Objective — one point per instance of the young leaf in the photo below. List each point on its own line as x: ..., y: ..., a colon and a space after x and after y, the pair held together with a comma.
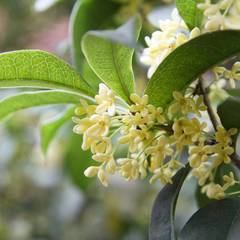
x: 49, y: 129
x: 229, y: 113
x: 190, y: 13
x: 162, y: 219
x: 89, y: 15
x: 34, y: 68
x: 219, y: 220
x: 32, y: 99
x: 112, y: 61
x: 189, y: 61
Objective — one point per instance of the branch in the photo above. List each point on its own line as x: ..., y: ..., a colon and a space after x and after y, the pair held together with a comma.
x: 235, y: 159
x: 206, y: 100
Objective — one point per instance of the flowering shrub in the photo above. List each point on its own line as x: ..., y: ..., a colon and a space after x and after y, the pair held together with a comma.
x: 189, y: 105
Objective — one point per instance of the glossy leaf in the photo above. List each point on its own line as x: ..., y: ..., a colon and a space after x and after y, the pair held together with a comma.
x: 33, y: 68
x: 219, y: 220
x: 190, y: 13
x: 112, y: 61
x: 162, y: 218
x: 189, y: 61
x: 88, y: 15
x: 32, y: 99
x: 229, y: 112
x: 49, y: 129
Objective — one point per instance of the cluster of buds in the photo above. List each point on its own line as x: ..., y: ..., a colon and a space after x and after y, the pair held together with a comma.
x: 155, y: 139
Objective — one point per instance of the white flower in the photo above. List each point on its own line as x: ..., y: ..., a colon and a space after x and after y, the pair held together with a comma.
x: 105, y: 100
x: 224, y: 14
x: 172, y: 34
x: 100, y: 126
x: 91, y: 171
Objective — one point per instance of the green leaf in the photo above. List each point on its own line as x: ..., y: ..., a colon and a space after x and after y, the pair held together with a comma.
x: 89, y: 15
x: 188, y: 62
x: 112, y: 61
x: 162, y: 219
x: 34, y: 68
x: 190, y: 13
x: 32, y: 99
x: 234, y: 92
x: 229, y: 113
x: 76, y: 161
x: 219, y: 220
x: 49, y: 129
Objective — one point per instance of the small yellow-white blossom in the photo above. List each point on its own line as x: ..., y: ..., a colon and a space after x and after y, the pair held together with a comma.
x: 231, y: 75
x: 155, y: 140
x: 213, y: 190
x: 105, y: 100
x: 222, y: 15
x: 173, y: 33
x: 186, y: 105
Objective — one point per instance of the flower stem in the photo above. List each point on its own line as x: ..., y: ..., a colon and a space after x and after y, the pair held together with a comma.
x: 206, y: 100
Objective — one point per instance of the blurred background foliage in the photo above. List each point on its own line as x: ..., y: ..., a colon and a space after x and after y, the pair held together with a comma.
x: 47, y: 197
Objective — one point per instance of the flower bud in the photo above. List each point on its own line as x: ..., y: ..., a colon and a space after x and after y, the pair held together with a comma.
x: 91, y: 171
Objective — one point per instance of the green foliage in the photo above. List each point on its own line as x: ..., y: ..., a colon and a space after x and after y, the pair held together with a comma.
x: 188, y: 62
x: 218, y: 220
x: 189, y: 12
x: 89, y: 15
x: 162, y: 219
x: 112, y: 61
x: 49, y: 129
x: 228, y: 111
x: 32, y: 99
x: 33, y: 68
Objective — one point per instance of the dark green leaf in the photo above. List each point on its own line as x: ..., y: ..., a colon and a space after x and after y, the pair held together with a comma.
x: 189, y: 61
x: 111, y: 61
x: 190, y: 13
x: 49, y: 129
x: 217, y: 221
x: 162, y: 219
x: 34, y: 68
x: 32, y: 99
x: 229, y: 113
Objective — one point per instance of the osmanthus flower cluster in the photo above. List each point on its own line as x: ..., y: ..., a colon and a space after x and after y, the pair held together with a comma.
x: 222, y: 15
x: 155, y: 140
x: 173, y: 33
